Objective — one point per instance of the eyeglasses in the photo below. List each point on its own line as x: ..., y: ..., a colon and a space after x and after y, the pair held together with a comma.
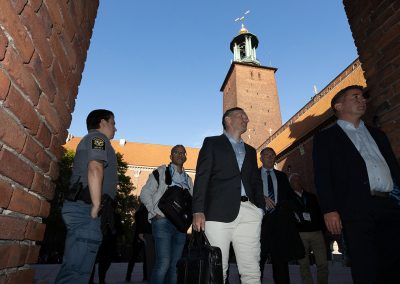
x: 177, y: 153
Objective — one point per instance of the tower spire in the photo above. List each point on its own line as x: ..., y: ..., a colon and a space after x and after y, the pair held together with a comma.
x: 244, y: 47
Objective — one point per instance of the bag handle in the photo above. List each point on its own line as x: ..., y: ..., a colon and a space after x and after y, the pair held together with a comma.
x: 198, y: 239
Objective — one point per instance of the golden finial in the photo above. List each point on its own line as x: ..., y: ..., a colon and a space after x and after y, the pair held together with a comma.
x: 243, y: 30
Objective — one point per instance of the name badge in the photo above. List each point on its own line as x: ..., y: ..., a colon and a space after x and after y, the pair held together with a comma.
x: 306, y: 216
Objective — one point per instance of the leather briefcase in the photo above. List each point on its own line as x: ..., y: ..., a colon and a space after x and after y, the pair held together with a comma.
x: 201, y: 263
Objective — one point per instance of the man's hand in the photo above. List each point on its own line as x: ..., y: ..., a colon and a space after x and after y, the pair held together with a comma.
x: 141, y: 236
x: 333, y: 222
x: 94, y: 211
x: 199, y: 222
x: 269, y: 202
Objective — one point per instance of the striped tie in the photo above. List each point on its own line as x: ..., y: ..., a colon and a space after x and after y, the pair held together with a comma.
x: 271, y: 193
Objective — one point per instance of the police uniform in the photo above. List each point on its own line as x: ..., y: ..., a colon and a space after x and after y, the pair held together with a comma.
x: 83, y: 232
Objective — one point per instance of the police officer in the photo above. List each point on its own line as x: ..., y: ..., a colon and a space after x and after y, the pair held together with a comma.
x: 94, y: 174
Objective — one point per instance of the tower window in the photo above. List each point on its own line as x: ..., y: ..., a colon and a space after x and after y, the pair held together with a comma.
x: 259, y: 76
x: 251, y: 74
x: 242, y: 50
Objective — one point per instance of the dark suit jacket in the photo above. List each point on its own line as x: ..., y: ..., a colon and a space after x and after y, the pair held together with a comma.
x: 279, y: 235
x: 309, y: 203
x: 217, y: 186
x: 340, y: 173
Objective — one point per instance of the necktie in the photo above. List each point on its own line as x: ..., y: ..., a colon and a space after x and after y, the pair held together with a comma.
x: 271, y: 193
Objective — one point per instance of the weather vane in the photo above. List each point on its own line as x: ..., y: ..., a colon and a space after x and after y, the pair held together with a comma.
x: 242, y: 17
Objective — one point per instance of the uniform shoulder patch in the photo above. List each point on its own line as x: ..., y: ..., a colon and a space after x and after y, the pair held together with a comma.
x: 98, y: 143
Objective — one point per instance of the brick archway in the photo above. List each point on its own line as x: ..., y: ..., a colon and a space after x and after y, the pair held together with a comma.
x: 43, y: 47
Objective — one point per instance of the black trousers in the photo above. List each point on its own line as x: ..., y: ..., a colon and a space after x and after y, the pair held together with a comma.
x: 373, y: 244
x: 280, y: 267
x: 105, y: 256
x: 280, y: 270
x: 138, y: 247
x: 148, y: 260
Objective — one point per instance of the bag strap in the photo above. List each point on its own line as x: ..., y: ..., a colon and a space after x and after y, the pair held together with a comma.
x: 168, y: 177
x: 156, y: 175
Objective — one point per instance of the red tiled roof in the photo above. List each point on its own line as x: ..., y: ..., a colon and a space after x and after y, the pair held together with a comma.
x: 142, y: 154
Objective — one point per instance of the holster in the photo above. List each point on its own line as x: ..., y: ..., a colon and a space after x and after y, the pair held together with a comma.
x: 78, y: 192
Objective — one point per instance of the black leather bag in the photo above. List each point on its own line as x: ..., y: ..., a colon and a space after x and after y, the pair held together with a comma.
x: 176, y: 204
x: 200, y: 263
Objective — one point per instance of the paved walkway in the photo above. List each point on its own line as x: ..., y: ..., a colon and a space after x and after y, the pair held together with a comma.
x: 46, y: 273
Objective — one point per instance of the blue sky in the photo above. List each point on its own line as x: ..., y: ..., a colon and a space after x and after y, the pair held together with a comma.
x: 159, y: 65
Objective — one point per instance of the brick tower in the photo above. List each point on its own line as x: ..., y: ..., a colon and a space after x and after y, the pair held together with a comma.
x: 252, y: 87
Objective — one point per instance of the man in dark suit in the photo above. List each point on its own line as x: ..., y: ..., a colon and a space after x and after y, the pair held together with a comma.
x: 228, y: 201
x: 356, y: 174
x: 279, y: 218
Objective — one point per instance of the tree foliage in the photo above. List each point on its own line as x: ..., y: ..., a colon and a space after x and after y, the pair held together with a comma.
x: 126, y: 202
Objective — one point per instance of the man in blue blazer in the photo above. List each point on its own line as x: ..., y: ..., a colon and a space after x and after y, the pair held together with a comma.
x: 356, y: 176
x: 228, y: 200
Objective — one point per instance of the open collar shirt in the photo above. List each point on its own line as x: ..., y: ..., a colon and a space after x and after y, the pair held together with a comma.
x: 179, y: 179
x: 379, y: 175
x: 240, y: 153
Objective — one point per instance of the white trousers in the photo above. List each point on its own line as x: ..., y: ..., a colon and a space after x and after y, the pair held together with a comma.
x: 244, y: 233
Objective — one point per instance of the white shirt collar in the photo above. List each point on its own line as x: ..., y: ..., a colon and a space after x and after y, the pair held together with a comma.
x: 348, y: 125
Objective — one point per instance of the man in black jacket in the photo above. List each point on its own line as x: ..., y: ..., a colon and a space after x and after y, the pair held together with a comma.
x: 228, y: 202
x: 310, y: 228
x: 279, y: 236
x: 356, y: 174
x: 142, y: 242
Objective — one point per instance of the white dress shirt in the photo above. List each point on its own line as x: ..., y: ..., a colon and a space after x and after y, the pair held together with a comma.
x: 379, y: 175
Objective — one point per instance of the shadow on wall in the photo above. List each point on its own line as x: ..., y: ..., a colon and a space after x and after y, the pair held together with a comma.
x: 297, y: 158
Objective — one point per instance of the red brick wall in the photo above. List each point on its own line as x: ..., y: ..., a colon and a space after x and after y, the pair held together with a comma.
x: 43, y: 47
x: 299, y: 160
x: 254, y: 89
x: 376, y: 31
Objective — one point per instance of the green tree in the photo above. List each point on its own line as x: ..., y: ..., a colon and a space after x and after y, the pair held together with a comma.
x: 127, y: 203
